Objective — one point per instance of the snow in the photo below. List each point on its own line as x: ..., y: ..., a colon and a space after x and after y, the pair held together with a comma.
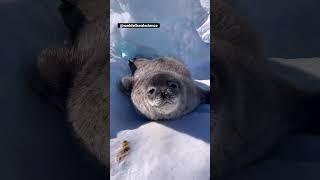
x: 160, y: 152
x: 204, y: 29
x: 175, y: 149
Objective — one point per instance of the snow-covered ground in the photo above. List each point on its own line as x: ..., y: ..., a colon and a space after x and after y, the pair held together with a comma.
x: 175, y: 149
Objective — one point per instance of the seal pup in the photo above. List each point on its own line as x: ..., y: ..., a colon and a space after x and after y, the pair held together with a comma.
x: 78, y: 75
x: 162, y: 88
x: 253, y: 109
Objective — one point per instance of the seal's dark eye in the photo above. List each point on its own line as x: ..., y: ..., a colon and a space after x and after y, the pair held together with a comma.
x: 173, y: 85
x: 151, y: 90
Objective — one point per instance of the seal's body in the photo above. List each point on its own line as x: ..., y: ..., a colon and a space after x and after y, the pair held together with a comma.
x: 79, y: 75
x: 162, y: 88
x: 253, y: 108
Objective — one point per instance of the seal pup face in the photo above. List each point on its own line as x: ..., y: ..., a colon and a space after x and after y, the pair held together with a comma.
x: 162, y: 89
x: 163, y: 93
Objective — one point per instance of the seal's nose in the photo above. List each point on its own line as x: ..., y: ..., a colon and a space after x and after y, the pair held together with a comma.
x: 161, y: 92
x: 165, y: 94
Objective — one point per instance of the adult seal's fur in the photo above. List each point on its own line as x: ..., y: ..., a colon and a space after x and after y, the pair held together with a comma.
x: 79, y: 74
x: 253, y: 109
x: 162, y: 88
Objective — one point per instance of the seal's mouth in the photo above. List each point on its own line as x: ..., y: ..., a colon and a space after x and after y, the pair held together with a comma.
x: 158, y: 102
x: 165, y: 106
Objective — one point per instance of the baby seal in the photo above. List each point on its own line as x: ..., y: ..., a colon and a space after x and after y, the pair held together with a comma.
x: 78, y: 75
x: 254, y: 109
x: 162, y: 88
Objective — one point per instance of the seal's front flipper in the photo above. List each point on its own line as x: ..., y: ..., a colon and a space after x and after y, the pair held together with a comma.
x: 132, y: 66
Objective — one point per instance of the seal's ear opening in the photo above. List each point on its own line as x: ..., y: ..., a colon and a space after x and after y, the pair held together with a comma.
x: 126, y: 84
x: 205, y: 96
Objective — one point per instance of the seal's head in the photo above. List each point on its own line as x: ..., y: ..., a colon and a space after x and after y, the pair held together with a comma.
x: 162, y: 89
